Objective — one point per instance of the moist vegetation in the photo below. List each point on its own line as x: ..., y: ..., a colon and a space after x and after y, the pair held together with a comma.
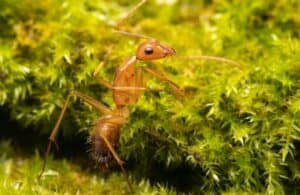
x: 237, y: 129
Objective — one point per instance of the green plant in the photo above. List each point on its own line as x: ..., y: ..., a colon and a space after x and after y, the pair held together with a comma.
x: 237, y: 130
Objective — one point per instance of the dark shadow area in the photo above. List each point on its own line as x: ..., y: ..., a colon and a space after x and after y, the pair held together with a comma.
x: 184, y: 178
x: 25, y: 141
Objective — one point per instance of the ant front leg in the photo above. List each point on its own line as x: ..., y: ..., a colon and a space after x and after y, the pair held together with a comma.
x: 175, y: 87
x: 96, y: 104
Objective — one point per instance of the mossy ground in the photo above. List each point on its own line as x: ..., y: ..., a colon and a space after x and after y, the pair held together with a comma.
x: 237, y: 129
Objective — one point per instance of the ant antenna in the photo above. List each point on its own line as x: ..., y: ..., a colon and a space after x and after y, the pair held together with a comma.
x: 214, y: 58
x: 116, y: 28
x: 134, y: 35
x: 131, y: 12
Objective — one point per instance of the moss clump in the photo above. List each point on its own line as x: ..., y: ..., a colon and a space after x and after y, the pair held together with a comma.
x: 236, y: 131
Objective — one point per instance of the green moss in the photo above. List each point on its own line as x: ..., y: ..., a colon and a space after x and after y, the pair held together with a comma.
x: 236, y: 131
x: 19, y: 176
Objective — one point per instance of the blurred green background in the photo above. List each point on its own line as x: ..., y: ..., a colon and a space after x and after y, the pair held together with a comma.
x: 236, y: 131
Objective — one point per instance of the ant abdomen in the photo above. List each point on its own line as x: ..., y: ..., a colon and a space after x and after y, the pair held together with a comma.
x: 109, y: 128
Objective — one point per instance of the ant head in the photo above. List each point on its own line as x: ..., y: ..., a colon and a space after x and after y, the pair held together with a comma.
x: 152, y: 50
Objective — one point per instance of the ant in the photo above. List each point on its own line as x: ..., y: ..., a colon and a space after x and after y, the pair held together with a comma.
x: 126, y: 88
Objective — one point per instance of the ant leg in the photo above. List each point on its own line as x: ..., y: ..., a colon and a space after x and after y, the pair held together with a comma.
x: 117, y: 158
x: 176, y: 88
x: 102, y: 108
x: 100, y: 80
x: 139, y: 82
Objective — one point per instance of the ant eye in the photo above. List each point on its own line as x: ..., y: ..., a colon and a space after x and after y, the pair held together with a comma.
x: 148, y: 50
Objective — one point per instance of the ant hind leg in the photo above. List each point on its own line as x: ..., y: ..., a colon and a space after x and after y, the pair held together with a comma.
x: 119, y: 161
x: 96, y: 104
